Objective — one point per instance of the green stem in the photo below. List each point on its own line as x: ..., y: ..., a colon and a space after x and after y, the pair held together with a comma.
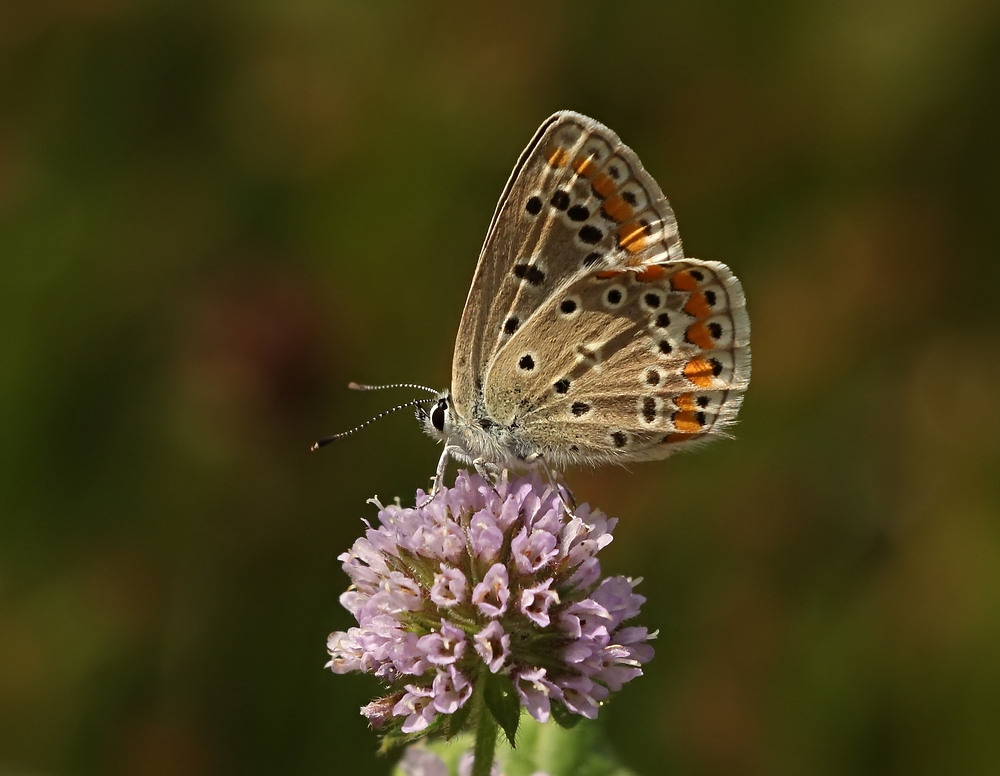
x: 486, y: 735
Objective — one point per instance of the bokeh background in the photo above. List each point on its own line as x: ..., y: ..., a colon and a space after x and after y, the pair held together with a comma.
x: 214, y: 215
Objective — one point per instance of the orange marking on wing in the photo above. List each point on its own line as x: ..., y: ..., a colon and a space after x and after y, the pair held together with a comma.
x: 584, y: 165
x: 617, y: 208
x: 686, y: 422
x: 607, y: 274
x: 650, y: 273
x: 697, y: 305
x: 698, y: 334
x: 699, y: 371
x: 603, y: 185
x: 557, y: 157
x: 685, y: 402
x: 683, y: 281
x: 632, y: 237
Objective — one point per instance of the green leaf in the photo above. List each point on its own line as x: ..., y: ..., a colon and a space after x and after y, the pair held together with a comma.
x: 501, y: 700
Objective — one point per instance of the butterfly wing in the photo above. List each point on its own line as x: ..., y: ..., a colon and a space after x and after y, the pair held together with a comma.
x: 626, y: 364
x: 577, y: 202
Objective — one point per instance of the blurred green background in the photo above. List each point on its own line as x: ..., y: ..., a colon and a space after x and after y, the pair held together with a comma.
x: 214, y: 215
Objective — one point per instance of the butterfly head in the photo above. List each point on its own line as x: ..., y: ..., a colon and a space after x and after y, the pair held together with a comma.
x: 436, y: 420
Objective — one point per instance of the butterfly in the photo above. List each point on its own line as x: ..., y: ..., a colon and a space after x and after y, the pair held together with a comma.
x: 587, y: 337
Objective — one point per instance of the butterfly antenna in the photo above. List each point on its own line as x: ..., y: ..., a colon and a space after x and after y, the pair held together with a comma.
x: 363, y: 387
x: 334, y: 437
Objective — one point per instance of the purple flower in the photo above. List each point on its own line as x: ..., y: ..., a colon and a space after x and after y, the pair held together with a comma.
x: 487, y: 579
x: 536, y: 692
x: 492, y: 593
x: 451, y: 690
x: 582, y: 695
x: 485, y: 536
x: 449, y: 588
x: 417, y: 705
x: 445, y: 646
x: 536, y: 601
x: 493, y: 644
x: 532, y: 552
x: 347, y: 650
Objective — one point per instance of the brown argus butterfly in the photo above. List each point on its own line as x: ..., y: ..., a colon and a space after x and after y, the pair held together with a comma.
x: 587, y: 336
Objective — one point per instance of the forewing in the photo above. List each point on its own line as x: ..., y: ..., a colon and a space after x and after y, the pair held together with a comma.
x: 628, y: 364
x: 577, y: 202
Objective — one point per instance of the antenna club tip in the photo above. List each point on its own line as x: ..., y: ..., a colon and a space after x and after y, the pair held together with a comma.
x: 320, y: 443
x: 355, y: 386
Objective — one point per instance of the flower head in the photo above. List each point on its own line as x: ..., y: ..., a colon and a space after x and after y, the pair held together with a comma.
x: 487, y: 580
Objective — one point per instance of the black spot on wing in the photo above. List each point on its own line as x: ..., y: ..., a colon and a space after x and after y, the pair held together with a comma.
x: 529, y: 272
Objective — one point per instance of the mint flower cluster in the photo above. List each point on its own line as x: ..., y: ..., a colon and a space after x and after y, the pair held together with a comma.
x: 487, y: 581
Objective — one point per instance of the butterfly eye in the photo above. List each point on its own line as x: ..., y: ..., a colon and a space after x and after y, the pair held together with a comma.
x: 438, y: 413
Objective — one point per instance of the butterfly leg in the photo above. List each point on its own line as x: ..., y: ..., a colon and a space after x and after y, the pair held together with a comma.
x: 562, y: 489
x: 449, y: 452
x: 490, y: 472
x: 487, y: 469
x: 438, y: 478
